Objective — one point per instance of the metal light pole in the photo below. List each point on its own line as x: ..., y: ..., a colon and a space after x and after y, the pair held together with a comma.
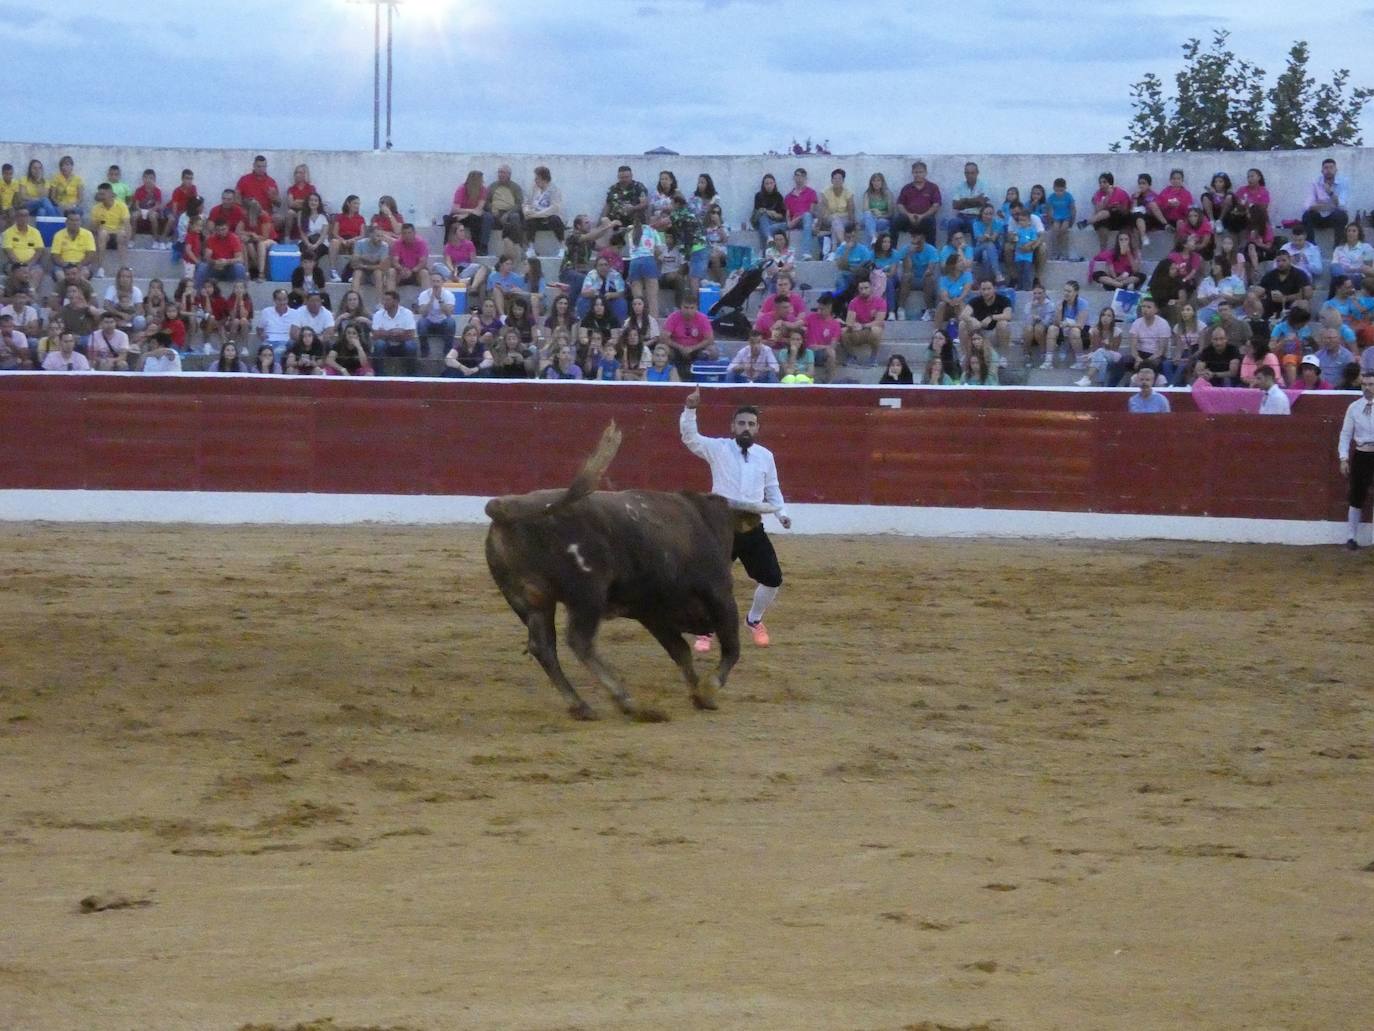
x: 377, y: 6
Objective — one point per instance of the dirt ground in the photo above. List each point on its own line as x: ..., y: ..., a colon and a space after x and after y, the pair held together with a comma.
x: 307, y: 778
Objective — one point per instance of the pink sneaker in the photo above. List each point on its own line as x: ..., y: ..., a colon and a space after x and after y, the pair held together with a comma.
x: 703, y: 643
x: 760, y: 633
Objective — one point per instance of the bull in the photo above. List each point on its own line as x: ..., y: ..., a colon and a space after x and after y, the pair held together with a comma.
x: 660, y: 558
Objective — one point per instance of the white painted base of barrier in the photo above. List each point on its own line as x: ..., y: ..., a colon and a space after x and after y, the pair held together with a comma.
x: 233, y: 508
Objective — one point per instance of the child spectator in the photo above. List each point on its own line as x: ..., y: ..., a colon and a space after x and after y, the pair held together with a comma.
x: 1175, y: 200
x: 1063, y: 214
x: 1111, y: 209
x: 1145, y: 208
x: 149, y: 214
x: 1069, y: 326
x: 1027, y: 240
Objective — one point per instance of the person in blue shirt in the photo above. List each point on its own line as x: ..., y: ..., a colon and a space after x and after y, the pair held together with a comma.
x: 1063, y: 214
x: 1038, y: 205
x: 849, y: 257
x: 953, y: 290
x: 958, y: 245
x: 891, y: 261
x: 1146, y: 401
x: 1023, y: 255
x: 924, y: 261
x: 988, y: 231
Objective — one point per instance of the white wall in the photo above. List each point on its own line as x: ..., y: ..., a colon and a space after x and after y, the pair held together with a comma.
x: 426, y: 181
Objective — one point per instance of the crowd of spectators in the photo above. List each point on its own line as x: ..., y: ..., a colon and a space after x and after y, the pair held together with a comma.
x: 1238, y: 292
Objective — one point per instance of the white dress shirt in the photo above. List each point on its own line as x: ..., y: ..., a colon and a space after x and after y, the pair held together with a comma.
x: 1357, y: 429
x: 276, y: 325
x: 1275, y: 402
x: 736, y: 475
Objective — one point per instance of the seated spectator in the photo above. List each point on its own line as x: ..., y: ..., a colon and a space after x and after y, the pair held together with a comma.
x: 393, y: 329
x: 544, y: 210
x: 599, y: 319
x: 688, y: 333
x: 770, y: 211
x: 192, y: 245
x: 661, y: 369
x: 864, y: 325
x: 1255, y: 355
x: 1258, y: 239
x: 518, y: 314
x: 1146, y: 401
x: 258, y: 235
x: 1350, y: 377
x: 953, y: 290
x: 564, y: 365
x: 510, y: 359
x: 1218, y: 199
x: 1183, y: 346
x: 626, y: 198
x: 755, y: 362
x: 802, y: 203
x: 1234, y: 260
x: 276, y: 324
x: 257, y: 185
x: 835, y: 213
x: 796, y: 361
x: 388, y: 219
x: 265, y: 361
x: 923, y: 263
x: 989, y: 313
x: 469, y: 357
x: 231, y: 212
x: 297, y: 364
x: 409, y: 260
x: 989, y: 232
x: 162, y: 356
x: 1145, y: 209
x: 296, y: 195
x: 1306, y: 255
x: 313, y: 315
x: 434, y: 316
x: 1284, y: 287
x: 878, y: 208
x: 505, y: 204
x: 110, y: 216
x: 307, y: 278
x: 934, y: 374
x: 1328, y: 202
x: 25, y: 253
x: 350, y: 228
x: 1310, y: 375
x: 228, y: 360
x: 26, y: 317
x: 1104, y: 345
x: 1218, y: 284
x: 234, y: 313
x: 77, y: 315
x: 1188, y: 265
x: 1175, y: 200
x: 223, y: 257
x: 1068, y: 326
x: 634, y: 350
x: 371, y: 261
x: 66, y: 358
x: 781, y: 260
x: 898, y: 372
x: 968, y: 198
x: 918, y: 206
x: 1117, y: 267
x: 73, y: 248
x: 1111, y: 210
x: 1040, y: 315
x: 978, y: 372
x: 1352, y: 260
x: 1332, y: 355
x: 1219, y: 361
x: 14, y: 346
x: 823, y: 334
x: 109, y: 349
x: 125, y: 300
x: 459, y: 263
x: 348, y: 356
x: 32, y: 193
x: 314, y: 228
x: 1062, y: 214
x: 605, y: 283
x: 67, y: 190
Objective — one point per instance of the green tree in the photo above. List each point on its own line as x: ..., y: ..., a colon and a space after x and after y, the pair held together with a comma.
x: 1221, y: 102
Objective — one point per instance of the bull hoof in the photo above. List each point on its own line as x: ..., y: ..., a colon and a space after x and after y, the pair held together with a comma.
x: 704, y: 694
x: 582, y: 711
x: 648, y: 714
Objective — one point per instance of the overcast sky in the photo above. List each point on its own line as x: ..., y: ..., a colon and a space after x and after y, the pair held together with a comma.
x: 623, y: 76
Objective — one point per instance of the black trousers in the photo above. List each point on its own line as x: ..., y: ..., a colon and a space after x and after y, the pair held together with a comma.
x: 755, y: 551
x: 1361, y: 478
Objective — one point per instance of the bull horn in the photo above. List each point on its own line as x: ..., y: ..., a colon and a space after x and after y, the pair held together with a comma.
x: 589, y: 476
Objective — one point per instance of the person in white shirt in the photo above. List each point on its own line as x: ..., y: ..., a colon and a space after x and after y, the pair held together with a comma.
x: 434, y: 309
x: 277, y: 323
x: 314, y: 314
x: 1356, y: 452
x: 393, y: 329
x: 163, y: 357
x: 744, y: 474
x: 66, y: 358
x: 1274, y: 401
x: 1306, y: 255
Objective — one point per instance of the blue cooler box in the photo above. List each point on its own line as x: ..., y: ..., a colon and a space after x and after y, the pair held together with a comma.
x: 282, y: 260
x: 712, y: 370
x: 708, y: 295
x: 48, y: 227
x: 460, y: 299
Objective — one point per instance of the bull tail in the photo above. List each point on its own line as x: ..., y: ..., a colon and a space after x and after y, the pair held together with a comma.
x: 518, y: 507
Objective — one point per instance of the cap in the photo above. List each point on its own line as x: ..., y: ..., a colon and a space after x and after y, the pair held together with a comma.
x: 1311, y: 359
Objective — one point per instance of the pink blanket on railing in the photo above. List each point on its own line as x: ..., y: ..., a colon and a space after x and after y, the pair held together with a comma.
x: 1231, y: 400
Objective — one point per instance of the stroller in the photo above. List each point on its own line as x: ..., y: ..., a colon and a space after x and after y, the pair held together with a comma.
x: 727, y: 315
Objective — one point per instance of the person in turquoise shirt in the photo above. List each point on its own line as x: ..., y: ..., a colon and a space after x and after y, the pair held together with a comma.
x: 953, y: 290
x: 988, y: 231
x: 924, y: 261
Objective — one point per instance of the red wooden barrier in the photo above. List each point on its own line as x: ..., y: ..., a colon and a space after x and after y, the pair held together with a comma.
x: 1007, y: 448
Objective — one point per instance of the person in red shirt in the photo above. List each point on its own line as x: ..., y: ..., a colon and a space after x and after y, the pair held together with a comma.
x: 258, y: 234
x: 193, y: 247
x: 259, y: 186
x: 183, y: 194
x: 1111, y: 209
x: 148, y: 213
x: 223, y: 258
x: 387, y: 219
x: 348, y: 230
x: 229, y: 211
x: 296, y: 195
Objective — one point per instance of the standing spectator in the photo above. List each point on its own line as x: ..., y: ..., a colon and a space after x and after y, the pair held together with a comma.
x: 66, y: 189
x: 801, y: 203
x: 149, y: 213
x: 645, y: 245
x: 1355, y: 450
x: 409, y: 260
x: 755, y: 362
x: 864, y: 324
x: 836, y: 211
x: 110, y: 217
x: 66, y: 358
x: 1275, y: 401
x: 544, y: 210
x: 1063, y: 213
x: 25, y: 252
x: 1328, y: 201
x: 259, y: 186
x: 770, y: 210
x: 470, y: 208
x: 434, y: 316
x: 918, y: 206
x: 393, y: 329
x: 1146, y: 401
x: 579, y: 254
x: 969, y: 198
x: 224, y: 257
x: 988, y: 313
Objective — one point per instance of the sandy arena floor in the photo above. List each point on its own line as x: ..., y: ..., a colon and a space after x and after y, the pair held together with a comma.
x: 974, y: 785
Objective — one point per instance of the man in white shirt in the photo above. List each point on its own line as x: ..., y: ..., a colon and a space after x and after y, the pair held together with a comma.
x: 1274, y: 401
x: 755, y: 362
x: 316, y: 316
x: 1356, y: 452
x: 109, y: 349
x: 1328, y: 202
x: 26, y: 319
x: 1306, y: 255
x: 163, y: 357
x: 66, y: 358
x: 14, y: 346
x: 393, y: 329
x: 277, y: 325
x: 434, y: 308
x: 745, y: 475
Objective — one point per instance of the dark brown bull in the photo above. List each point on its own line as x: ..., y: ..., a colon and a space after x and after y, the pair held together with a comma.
x: 663, y: 559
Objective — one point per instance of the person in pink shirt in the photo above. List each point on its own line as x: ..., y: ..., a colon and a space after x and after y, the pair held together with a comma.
x: 470, y: 208
x: 1117, y: 267
x: 823, y: 333
x: 1254, y: 194
x: 1197, y: 228
x: 1175, y: 200
x: 863, y: 326
x: 1187, y: 265
x: 688, y: 334
x: 801, y: 211
x: 409, y: 260
x: 776, y: 324
x: 785, y: 284
x: 1111, y: 209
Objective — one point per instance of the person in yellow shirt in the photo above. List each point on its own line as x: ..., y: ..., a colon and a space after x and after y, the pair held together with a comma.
x: 33, y: 191
x: 24, y: 250
x: 73, y: 247
x: 9, y: 195
x: 66, y: 188
x: 836, y: 212
x: 110, y: 215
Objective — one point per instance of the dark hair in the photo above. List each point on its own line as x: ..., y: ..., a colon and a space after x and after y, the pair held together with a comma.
x: 624, y: 168
x: 672, y: 180
x: 1061, y: 181
x: 1258, y: 173
x: 838, y: 171
x: 1111, y: 179
x: 710, y: 187
x: 258, y: 158
x: 220, y: 365
x: 1265, y: 370
x: 745, y: 410
x: 1146, y: 176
